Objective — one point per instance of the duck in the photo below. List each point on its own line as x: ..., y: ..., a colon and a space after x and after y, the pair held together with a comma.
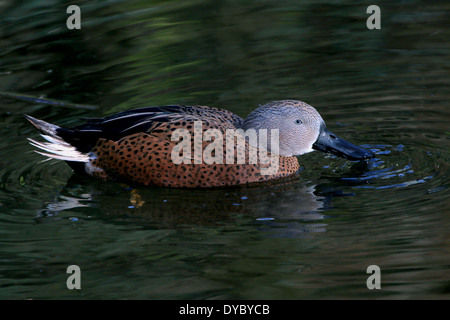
x: 184, y: 146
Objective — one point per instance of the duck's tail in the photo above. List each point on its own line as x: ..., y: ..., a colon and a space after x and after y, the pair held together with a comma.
x: 55, y: 147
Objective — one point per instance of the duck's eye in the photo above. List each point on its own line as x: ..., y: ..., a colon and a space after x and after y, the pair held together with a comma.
x: 298, y: 121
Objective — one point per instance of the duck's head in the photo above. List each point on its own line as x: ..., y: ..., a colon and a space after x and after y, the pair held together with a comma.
x: 301, y: 130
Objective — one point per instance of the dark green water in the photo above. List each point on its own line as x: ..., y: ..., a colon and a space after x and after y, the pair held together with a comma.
x: 311, y: 237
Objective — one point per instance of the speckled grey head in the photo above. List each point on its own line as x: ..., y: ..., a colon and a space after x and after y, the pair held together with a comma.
x: 301, y: 130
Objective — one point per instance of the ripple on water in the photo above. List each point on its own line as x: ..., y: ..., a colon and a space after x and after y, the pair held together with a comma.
x: 397, y: 171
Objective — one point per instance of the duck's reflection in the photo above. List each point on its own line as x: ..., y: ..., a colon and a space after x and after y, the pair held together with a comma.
x: 286, y: 208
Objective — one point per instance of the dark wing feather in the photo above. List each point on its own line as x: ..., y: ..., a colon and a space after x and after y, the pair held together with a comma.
x: 116, y: 126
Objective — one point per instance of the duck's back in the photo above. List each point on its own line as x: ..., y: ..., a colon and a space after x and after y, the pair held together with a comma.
x: 146, y: 120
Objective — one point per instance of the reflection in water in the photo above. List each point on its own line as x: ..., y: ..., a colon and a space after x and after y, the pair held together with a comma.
x: 289, y: 207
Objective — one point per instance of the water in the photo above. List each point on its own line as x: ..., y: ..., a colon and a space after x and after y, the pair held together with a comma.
x: 312, y: 236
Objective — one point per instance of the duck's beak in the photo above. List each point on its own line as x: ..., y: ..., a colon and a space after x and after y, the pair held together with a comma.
x: 330, y: 143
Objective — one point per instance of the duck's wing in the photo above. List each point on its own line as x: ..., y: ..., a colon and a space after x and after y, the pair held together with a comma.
x: 152, y: 120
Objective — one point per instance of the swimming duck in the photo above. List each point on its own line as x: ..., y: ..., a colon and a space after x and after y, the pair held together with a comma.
x: 194, y: 146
